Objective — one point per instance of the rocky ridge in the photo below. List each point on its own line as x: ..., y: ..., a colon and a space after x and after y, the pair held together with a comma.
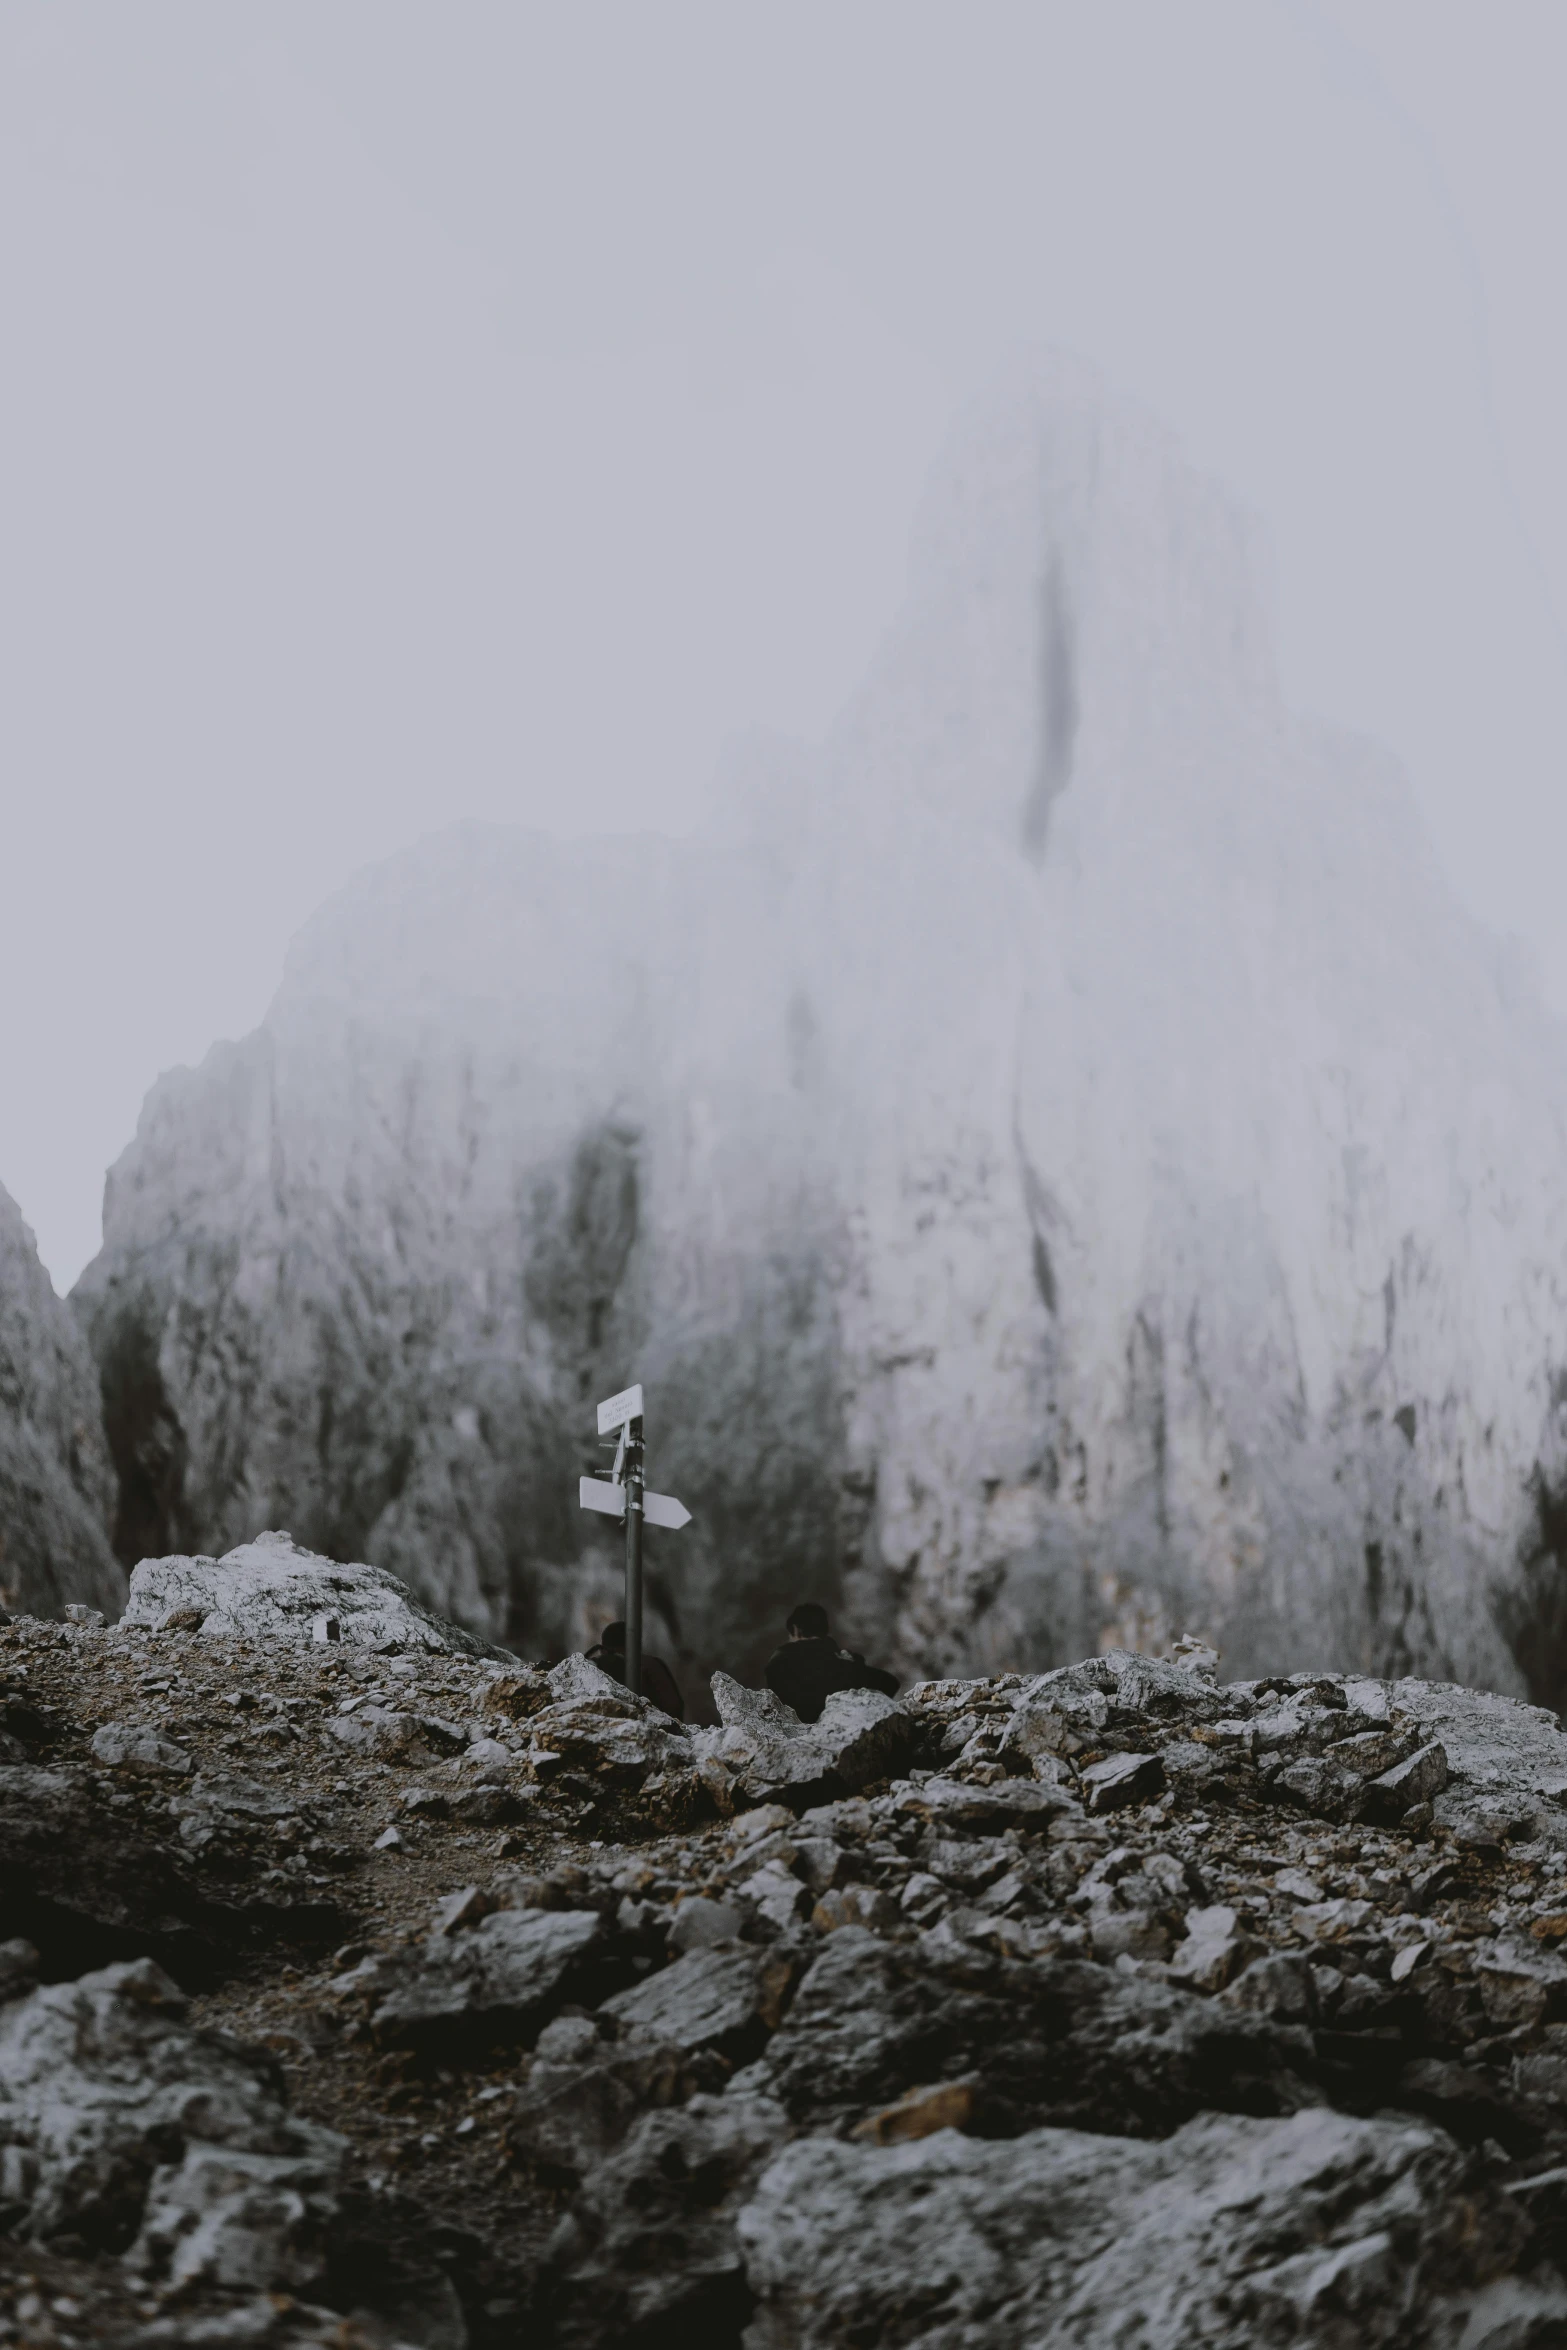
x: 392, y: 1993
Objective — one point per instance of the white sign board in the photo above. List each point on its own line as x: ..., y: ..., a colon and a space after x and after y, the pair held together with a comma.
x: 627, y: 1405
x: 659, y: 1509
x: 594, y: 1494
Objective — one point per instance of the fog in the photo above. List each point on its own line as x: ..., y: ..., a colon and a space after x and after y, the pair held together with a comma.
x: 413, y: 415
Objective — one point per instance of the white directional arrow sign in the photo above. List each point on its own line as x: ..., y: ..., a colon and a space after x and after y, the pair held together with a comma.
x: 623, y: 1495
x: 659, y: 1509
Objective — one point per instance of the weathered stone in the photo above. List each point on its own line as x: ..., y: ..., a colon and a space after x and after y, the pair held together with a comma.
x: 854, y: 1905
x: 699, y: 1923
x: 90, y: 1884
x: 1231, y: 2233
x: 1215, y: 1949
x: 777, y: 1892
x: 1128, y: 1933
x: 862, y: 1735
x: 130, y: 1746
x: 609, y: 1731
x: 1418, y: 1779
x: 1314, y: 1784
x: 100, y: 2078
x: 1278, y: 1985
x: 819, y: 1861
x: 584, y: 2094
x: 1121, y: 1779
x: 1507, y: 1761
x: 1521, y: 1984
x: 497, y: 1981
x: 648, y: 2250
x: 1057, y: 2038
x: 578, y: 1678
x: 1021, y: 1803
x: 1329, y: 1921
x: 378, y: 1732
x: 726, y: 2000
x: 516, y: 1695
x: 270, y: 1590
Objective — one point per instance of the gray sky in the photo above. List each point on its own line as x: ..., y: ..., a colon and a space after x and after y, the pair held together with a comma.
x: 412, y: 412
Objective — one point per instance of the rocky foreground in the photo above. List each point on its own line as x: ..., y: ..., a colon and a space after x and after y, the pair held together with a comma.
x: 359, y: 1988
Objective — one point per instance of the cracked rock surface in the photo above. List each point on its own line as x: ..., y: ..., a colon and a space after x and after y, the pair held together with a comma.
x: 1104, y: 2004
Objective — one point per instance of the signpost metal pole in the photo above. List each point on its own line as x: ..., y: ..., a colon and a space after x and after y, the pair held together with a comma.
x: 624, y: 1495
x: 633, y: 1484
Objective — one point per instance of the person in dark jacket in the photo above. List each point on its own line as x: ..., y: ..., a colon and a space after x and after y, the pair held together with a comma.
x: 659, y: 1685
x: 810, y: 1665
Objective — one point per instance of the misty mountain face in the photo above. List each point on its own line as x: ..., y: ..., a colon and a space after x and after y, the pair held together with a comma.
x: 56, y: 1484
x: 1062, y: 1165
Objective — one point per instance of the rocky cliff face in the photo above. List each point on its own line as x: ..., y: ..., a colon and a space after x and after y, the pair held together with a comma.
x: 1059, y: 1160
x: 56, y: 1483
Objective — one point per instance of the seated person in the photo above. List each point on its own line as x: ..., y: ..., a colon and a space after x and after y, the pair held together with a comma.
x: 659, y: 1685
x: 810, y: 1665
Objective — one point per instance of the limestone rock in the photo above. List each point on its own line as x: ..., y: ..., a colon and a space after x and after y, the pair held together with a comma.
x: 1121, y: 1779
x: 677, y: 2178
x: 129, y: 1746
x: 862, y: 1735
x: 700, y: 1923
x: 89, y: 1884
x: 961, y: 1804
x: 496, y: 1982
x: 99, y: 2077
x: 1214, y: 1949
x: 575, y: 2108
x: 873, y: 2018
x: 726, y: 2000
x: 379, y: 1731
x: 1230, y: 2233
x: 269, y: 1589
x: 1415, y: 1780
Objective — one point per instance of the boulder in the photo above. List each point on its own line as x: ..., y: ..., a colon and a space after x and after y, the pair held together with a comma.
x: 1417, y: 1779
x: 1214, y: 1950
x: 1506, y: 1761
x: 496, y: 1982
x: 1081, y: 2043
x: 131, y: 1746
x: 862, y: 1735
x: 1230, y: 2233
x: 958, y: 1803
x: 1121, y: 1779
x: 725, y: 2000
x: 100, y: 2079
x: 270, y: 1590
x: 672, y: 2186
x: 581, y: 2098
x: 90, y: 1883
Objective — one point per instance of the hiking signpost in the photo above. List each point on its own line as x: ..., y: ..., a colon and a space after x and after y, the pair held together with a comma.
x: 623, y: 1495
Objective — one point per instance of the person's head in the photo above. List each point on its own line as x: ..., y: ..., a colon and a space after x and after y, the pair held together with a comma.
x: 613, y: 1636
x: 807, y: 1621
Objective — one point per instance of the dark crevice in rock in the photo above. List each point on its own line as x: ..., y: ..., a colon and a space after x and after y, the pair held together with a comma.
x: 1532, y: 1609
x: 1059, y: 710
x: 146, y: 1442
